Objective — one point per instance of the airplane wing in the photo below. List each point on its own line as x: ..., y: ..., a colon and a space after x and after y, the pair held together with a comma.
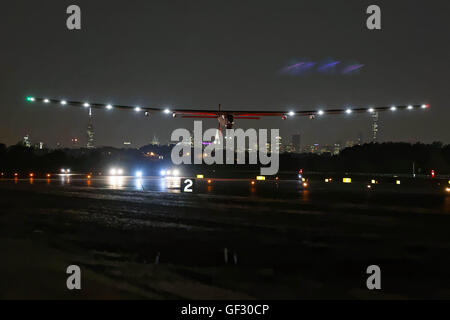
x: 237, y: 114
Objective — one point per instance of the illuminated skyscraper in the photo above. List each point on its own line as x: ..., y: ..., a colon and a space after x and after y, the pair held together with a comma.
x: 278, y: 146
x: 374, y: 126
x: 155, y: 141
x: 90, y: 132
x: 26, y: 141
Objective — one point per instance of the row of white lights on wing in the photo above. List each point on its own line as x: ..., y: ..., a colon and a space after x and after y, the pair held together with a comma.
x: 87, y: 105
x: 291, y: 113
x: 370, y: 110
x: 109, y: 107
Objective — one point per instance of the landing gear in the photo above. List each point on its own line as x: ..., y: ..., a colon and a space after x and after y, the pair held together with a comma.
x: 226, y: 120
x: 230, y: 121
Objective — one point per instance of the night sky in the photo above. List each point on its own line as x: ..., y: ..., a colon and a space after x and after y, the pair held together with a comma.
x: 197, y: 54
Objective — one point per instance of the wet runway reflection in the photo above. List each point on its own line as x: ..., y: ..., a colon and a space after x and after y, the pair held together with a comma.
x: 116, y: 183
x: 281, y: 189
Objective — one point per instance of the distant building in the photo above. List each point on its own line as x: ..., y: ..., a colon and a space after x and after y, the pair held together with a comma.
x: 337, y: 149
x: 90, y: 132
x: 314, y: 148
x: 289, y: 148
x: 26, y: 141
x: 278, y: 145
x: 155, y: 141
x: 39, y: 146
x: 374, y: 126
x: 296, y: 142
x: 326, y: 149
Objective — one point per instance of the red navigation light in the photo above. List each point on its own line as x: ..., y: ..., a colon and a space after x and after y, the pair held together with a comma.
x: 433, y: 174
x: 300, y: 171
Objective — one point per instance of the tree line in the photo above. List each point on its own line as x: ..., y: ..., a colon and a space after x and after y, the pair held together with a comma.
x: 387, y: 157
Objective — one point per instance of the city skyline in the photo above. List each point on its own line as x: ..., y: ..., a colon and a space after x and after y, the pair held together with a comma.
x: 286, y: 144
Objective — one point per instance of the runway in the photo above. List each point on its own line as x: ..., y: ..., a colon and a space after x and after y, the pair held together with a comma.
x: 144, y: 238
x: 247, y: 187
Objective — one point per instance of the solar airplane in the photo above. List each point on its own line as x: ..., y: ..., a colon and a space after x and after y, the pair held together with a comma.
x: 226, y: 118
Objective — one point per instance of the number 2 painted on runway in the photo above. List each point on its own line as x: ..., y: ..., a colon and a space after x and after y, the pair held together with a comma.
x: 188, y: 185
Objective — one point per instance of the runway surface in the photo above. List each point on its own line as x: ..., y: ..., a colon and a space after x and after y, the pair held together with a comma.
x: 143, y: 238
